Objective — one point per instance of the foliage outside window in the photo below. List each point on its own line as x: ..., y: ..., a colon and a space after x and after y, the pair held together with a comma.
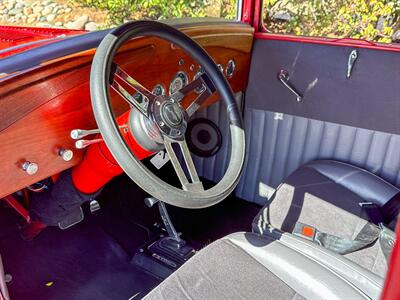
x: 372, y: 20
x: 98, y: 14
x: 123, y: 10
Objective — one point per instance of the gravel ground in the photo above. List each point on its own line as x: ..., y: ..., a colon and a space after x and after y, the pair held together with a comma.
x: 50, y: 13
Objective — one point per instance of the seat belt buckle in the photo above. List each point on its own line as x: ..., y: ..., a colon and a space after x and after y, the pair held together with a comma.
x: 305, y: 231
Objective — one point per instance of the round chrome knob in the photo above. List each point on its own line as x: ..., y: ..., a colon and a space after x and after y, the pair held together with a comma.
x: 30, y: 168
x: 66, y: 154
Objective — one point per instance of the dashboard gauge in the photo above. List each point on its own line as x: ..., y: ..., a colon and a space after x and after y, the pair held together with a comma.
x: 158, y: 90
x: 179, y: 81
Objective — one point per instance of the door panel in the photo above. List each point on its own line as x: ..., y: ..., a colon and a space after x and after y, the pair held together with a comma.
x: 353, y: 120
x: 368, y: 99
x: 278, y: 144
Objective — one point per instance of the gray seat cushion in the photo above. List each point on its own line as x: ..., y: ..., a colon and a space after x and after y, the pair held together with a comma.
x: 326, y: 194
x: 252, y: 266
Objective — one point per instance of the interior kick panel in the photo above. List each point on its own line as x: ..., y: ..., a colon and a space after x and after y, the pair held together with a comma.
x: 369, y: 99
x: 213, y: 167
x: 279, y: 143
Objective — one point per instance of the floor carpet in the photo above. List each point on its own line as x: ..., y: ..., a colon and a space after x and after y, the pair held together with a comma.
x: 92, y: 260
x: 83, y: 262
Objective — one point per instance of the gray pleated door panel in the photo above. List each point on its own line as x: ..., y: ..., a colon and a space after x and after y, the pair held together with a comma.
x: 354, y: 120
x: 278, y: 144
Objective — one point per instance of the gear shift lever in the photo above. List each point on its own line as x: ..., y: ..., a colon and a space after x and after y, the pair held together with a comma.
x: 173, y: 244
x: 172, y: 233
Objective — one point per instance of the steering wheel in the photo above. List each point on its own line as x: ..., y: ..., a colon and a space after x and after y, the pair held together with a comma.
x: 162, y: 120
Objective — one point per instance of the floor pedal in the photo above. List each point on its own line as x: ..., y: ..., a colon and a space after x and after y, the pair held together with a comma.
x: 94, y: 206
x: 72, y: 219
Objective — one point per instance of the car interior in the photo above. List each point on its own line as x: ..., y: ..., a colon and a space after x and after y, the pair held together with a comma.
x: 198, y: 159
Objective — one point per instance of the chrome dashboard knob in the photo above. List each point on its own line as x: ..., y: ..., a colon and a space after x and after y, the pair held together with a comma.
x: 77, y: 134
x: 66, y: 154
x: 30, y: 168
x: 82, y: 144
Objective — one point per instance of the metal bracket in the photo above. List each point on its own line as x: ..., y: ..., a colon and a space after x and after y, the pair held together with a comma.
x: 350, y: 63
x: 283, y: 76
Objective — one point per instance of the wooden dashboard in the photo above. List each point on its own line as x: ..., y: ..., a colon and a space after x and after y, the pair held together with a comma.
x: 39, y: 108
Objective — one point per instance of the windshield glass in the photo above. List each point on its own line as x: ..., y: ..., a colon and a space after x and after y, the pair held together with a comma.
x: 99, y: 14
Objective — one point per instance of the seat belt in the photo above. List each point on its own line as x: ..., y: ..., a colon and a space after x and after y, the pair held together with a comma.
x: 386, y: 240
x: 373, y: 212
x: 368, y: 235
x: 384, y: 214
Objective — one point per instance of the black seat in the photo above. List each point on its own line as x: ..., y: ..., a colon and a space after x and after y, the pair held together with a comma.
x: 336, y: 198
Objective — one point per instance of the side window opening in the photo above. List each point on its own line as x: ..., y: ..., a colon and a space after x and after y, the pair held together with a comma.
x: 371, y: 20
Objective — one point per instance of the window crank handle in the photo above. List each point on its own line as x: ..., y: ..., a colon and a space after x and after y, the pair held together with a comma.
x: 283, y: 76
x: 352, y: 59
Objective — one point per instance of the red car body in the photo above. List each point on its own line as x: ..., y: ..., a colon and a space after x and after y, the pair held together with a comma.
x: 15, y: 40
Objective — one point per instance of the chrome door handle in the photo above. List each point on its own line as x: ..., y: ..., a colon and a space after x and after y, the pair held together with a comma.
x: 283, y: 76
x: 350, y: 63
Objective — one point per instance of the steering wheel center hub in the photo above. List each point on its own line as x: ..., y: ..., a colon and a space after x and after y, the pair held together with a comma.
x: 170, y: 117
x: 171, y: 113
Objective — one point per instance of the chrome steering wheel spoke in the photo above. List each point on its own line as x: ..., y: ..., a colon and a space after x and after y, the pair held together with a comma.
x: 120, y: 76
x: 195, y: 185
x: 202, y: 85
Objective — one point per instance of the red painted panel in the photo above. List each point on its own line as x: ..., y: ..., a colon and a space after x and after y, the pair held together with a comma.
x: 11, y: 36
x: 257, y: 15
x: 247, y: 12
x: 99, y: 166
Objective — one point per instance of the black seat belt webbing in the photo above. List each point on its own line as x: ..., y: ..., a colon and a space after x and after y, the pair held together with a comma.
x: 384, y: 214
x: 373, y: 212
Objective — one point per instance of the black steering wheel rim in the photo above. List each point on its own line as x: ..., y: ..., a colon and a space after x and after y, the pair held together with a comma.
x: 99, y: 88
